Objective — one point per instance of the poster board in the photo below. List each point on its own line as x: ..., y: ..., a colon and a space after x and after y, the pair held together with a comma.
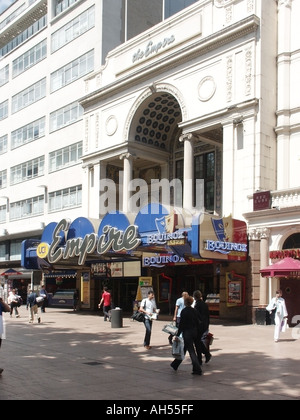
x: 145, y: 284
x: 235, y: 289
x: 85, y: 290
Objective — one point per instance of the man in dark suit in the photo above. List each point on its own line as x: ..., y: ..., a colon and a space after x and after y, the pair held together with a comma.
x: 203, y: 313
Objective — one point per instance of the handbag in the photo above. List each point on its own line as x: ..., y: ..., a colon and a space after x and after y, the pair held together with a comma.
x: 178, y: 348
x: 138, y: 316
x: 170, y: 328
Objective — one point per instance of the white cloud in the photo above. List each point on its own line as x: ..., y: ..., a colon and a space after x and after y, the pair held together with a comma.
x: 4, y: 4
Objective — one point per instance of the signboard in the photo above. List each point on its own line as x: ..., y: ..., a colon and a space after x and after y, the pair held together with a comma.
x: 85, y: 290
x: 222, y: 238
x: 261, y: 200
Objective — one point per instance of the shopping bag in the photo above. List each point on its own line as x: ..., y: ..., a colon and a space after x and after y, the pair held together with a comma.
x: 178, y: 348
x: 284, y: 325
x: 170, y: 328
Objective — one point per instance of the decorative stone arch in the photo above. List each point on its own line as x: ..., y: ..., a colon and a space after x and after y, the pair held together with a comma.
x: 150, y: 91
x: 280, y: 239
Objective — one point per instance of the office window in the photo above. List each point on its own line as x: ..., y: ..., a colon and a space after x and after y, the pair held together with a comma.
x: 29, y: 96
x: 28, y: 133
x: 15, y: 250
x: 3, y: 144
x: 4, y: 75
x: 67, y: 156
x: 66, y: 198
x: 72, y: 71
x: 62, y: 5
x: 31, y: 207
x: 3, y: 178
x: 3, y: 110
x: 28, y: 170
x: 23, y: 36
x: 73, y: 29
x: 2, y: 220
x: 30, y: 58
x: 65, y: 116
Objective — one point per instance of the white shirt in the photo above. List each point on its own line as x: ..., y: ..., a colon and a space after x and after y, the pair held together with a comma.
x: 150, y: 306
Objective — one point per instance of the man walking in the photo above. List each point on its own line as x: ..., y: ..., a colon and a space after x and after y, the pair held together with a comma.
x: 203, y: 313
x: 179, y: 305
x: 148, y: 307
x: 32, y: 304
x: 106, y: 301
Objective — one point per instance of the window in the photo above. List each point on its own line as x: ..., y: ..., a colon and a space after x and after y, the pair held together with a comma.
x: 15, y: 250
x: 72, y: 71
x: 65, y: 116
x: 3, y: 252
x: 28, y: 170
x: 204, y: 169
x: 29, y: 95
x: 73, y: 29
x: 64, y: 199
x: 28, y: 133
x: 62, y: 5
x: 30, y: 58
x: 3, y: 179
x: 3, y: 110
x: 67, y: 156
x: 23, y: 36
x: 3, y: 144
x: 27, y: 208
x: 4, y: 75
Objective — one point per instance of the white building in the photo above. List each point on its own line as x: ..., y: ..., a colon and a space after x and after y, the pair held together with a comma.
x: 143, y: 90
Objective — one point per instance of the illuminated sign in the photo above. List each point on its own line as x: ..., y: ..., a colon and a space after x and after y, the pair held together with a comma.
x: 110, y: 239
x: 222, y: 238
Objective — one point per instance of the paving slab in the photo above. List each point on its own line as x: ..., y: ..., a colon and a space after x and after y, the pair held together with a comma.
x: 77, y: 356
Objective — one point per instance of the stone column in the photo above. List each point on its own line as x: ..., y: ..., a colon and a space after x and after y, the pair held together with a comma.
x: 127, y: 177
x: 228, y: 167
x: 264, y: 262
x: 188, y: 171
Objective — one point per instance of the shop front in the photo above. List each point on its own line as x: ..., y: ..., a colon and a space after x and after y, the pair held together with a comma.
x: 202, y: 252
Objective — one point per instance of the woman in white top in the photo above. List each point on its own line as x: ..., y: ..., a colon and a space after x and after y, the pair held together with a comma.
x: 13, y: 300
x: 278, y: 303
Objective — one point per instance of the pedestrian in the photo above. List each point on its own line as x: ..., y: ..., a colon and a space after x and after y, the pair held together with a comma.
x: 203, y: 313
x: 106, y: 301
x: 189, y: 326
x: 278, y: 304
x: 13, y: 301
x: 32, y: 304
x: 179, y: 305
x: 44, y: 295
x: 4, y: 307
x: 148, y: 307
x: 75, y: 300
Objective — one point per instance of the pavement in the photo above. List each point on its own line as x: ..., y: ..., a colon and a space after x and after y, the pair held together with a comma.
x: 77, y: 356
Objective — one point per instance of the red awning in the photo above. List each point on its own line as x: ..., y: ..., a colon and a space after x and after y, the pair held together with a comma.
x: 283, y: 268
x: 10, y: 272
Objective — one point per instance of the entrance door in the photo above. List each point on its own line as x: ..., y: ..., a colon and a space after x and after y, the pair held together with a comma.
x: 291, y: 293
x: 128, y: 295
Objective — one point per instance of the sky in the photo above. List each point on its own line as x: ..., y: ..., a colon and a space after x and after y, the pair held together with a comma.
x: 4, y: 4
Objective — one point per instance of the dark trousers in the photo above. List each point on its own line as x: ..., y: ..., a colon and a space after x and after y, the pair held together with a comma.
x: 192, y: 344
x: 105, y: 312
x: 148, y: 326
x: 44, y: 304
x: 14, y: 306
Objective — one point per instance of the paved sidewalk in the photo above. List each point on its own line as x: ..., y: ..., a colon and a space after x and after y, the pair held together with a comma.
x: 77, y: 356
